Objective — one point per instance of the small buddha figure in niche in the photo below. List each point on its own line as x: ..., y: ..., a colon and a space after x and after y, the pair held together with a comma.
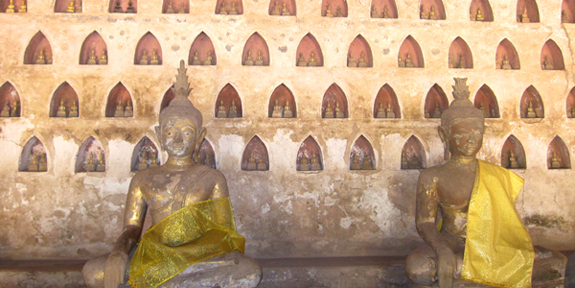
x: 525, y: 16
x: 249, y: 59
x: 209, y: 59
x: 92, y: 60
x: 338, y: 112
x: 338, y: 12
x: 285, y: 11
x: 49, y: 60
x: 351, y: 61
x: 61, y: 109
x: 276, y: 10
x: 143, y: 164
x: 196, y: 59
x: 73, y: 110
x: 233, y: 110
x: 366, y: 164
x: 404, y: 163
x: 33, y: 166
x: 170, y: 8
x: 11, y: 7
x: 389, y: 111
x: 315, y: 165
x: 182, y: 9
x: 414, y: 162
x: 385, y: 12
x: 436, y: 111
x: 422, y: 13
x: 119, y: 109
x: 400, y: 62
x: 547, y: 65
x: 252, y: 162
x: 23, y: 7
x: 144, y: 58
x: 505, y: 64
x: 288, y: 113
x: 408, y: 62
x: 130, y: 8
x: 43, y: 165
x: 154, y: 60
x: 312, y: 62
x: 556, y: 162
x: 328, y: 113
x: 303, y: 164
x: 41, y: 59
x: 6, y: 110
x: 362, y: 62
x: 355, y: 165
x: 153, y: 159
x: 71, y: 8
x: 259, y: 59
x: 222, y: 110
x: 104, y: 57
x: 233, y: 10
x: 222, y: 10
x: 278, y: 110
x: 262, y: 166
x: 564, y: 18
x: 374, y: 13
x: 129, y: 111
x: 479, y: 16
x: 301, y: 61
x: 13, y: 113
x: 91, y: 164
x: 101, y: 167
x: 328, y: 12
x: 432, y: 15
x: 117, y: 7
x: 513, y: 160
x: 380, y: 111
x: 530, y: 112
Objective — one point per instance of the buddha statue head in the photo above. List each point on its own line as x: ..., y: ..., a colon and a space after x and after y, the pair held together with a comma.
x: 180, y: 131
x: 462, y: 125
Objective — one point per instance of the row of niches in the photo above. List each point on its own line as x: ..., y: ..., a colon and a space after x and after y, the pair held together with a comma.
x: 94, y: 51
x: 527, y: 11
x: 91, y: 158
x: 282, y: 103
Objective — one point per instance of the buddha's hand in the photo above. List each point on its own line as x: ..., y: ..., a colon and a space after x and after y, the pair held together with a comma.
x: 446, y: 266
x: 114, y: 269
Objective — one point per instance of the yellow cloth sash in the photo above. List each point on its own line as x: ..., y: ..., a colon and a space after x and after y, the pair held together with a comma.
x: 190, y: 235
x: 498, y: 249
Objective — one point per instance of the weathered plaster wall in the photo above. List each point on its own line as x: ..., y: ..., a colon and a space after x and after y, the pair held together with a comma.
x: 282, y: 212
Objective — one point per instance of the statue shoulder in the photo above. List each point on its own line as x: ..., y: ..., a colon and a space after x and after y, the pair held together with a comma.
x: 428, y: 174
x: 215, y: 174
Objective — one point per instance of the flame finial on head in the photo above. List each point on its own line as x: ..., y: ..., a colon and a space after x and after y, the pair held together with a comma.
x: 181, y: 106
x: 461, y: 107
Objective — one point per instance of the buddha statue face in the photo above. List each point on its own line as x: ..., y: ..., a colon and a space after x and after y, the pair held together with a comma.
x: 180, y: 136
x: 463, y: 138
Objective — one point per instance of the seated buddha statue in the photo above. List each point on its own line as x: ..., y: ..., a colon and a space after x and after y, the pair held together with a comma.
x: 92, y: 60
x: 408, y: 62
x: 278, y: 111
x: 6, y: 110
x: 276, y: 10
x: 385, y: 13
x: 288, y: 113
x: 130, y: 8
x: 41, y: 59
x: 233, y: 110
x: 249, y: 61
x: 380, y: 111
x: 129, y: 110
x: 389, y: 111
x: 315, y: 164
x: 285, y: 11
x: 91, y: 164
x: 104, y: 57
x: 143, y: 164
x: 312, y: 60
x: 505, y: 63
x: 144, y: 58
x: 209, y: 58
x: 479, y: 15
x: 119, y: 109
x: 154, y: 60
x: 73, y: 109
x: 304, y: 163
x: 432, y: 15
x: 422, y: 13
x: 196, y: 59
x: 351, y: 61
x: 301, y: 61
x: 233, y: 10
x: 259, y: 59
x: 338, y: 112
x: 61, y: 109
x: 193, y: 241
x: 222, y: 110
x: 362, y: 61
x: 328, y: 111
x: 465, y: 213
x: 328, y: 12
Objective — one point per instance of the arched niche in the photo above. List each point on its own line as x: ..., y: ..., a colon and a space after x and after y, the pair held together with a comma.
x: 119, y: 102
x: 506, y: 57
x: 486, y: 101
x: 10, y: 104
x: 527, y: 11
x: 384, y: 9
x: 480, y: 10
x: 123, y: 6
x: 33, y: 157
x: 20, y: 6
x: 359, y: 53
x: 435, y: 103
x: 413, y: 154
x: 334, y: 103
x: 255, y: 157
x: 94, y: 50
x: 168, y: 96
x: 558, y: 155
x: 513, y: 154
x: 432, y: 10
x: 282, y: 101
x: 202, y: 51
x: 309, y: 157
x: 551, y: 56
x: 90, y: 157
x: 361, y: 156
x: 568, y: 11
x: 460, y: 55
x: 570, y: 105
x: 410, y: 54
x: 308, y: 52
x: 148, y: 51
x: 176, y: 6
x: 334, y: 8
x: 68, y: 6
x: 386, y: 104
x: 531, y: 105
x: 256, y: 52
x: 282, y: 8
x: 207, y: 155
x: 65, y: 102
x: 145, y: 155
x: 229, y: 104
x: 39, y: 50
x: 229, y: 7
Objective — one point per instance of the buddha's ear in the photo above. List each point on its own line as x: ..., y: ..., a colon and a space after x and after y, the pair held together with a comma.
x: 159, y: 135
x: 199, y: 141
x: 445, y: 139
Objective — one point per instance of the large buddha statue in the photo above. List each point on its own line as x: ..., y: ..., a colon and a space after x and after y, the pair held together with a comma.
x: 466, y: 215
x: 193, y: 241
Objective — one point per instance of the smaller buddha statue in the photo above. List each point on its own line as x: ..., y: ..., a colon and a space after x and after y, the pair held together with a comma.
x: 130, y: 8
x: 71, y: 8
x: 144, y: 58
x: 400, y: 62
x: 525, y: 16
x: 170, y: 8
x: 6, y: 110
x: 103, y: 58
x: 301, y: 61
x: 505, y: 64
x: 129, y: 111
x: 328, y: 113
x: 427, y: 115
x: 143, y: 164
x: 251, y: 163
x: 556, y: 162
x: 408, y: 62
x: 338, y: 12
x: 23, y: 7
x: 73, y: 110
x: 380, y: 111
x: 101, y: 166
x: 513, y: 160
x: 374, y: 13
x: 328, y: 12
x: 233, y: 10
x: 92, y: 60
x: 91, y: 164
x: 119, y: 109
x: 312, y: 62
x: 276, y: 10
x: 196, y: 59
x: 154, y: 60
x: 49, y: 60
x: 285, y: 11
x: 366, y: 165
x: 530, y: 113
x: 304, y: 163
x: 437, y: 111
x: 404, y: 163
x: 315, y: 165
x: 222, y: 110
x: 422, y: 13
x: 209, y: 59
x: 278, y: 110
x: 385, y: 12
x: 41, y: 59
x: 233, y: 110
x: 351, y: 61
x: 249, y: 59
x: 479, y: 16
x: 154, y: 159
x: 547, y: 65
x: 118, y: 7
x: 362, y: 62
x: 14, y: 112
x: 355, y: 163
x: 432, y: 15
x: 414, y: 162
x: 389, y: 111
x: 564, y: 18
x: 288, y: 113
x: 223, y: 10
x: 10, y: 8
x: 338, y: 112
x: 259, y: 59
x: 43, y: 165
x: 182, y: 9
x: 61, y: 109
x: 33, y: 166
x: 262, y: 166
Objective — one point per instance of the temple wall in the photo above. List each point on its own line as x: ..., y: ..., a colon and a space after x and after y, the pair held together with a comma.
x: 282, y: 212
